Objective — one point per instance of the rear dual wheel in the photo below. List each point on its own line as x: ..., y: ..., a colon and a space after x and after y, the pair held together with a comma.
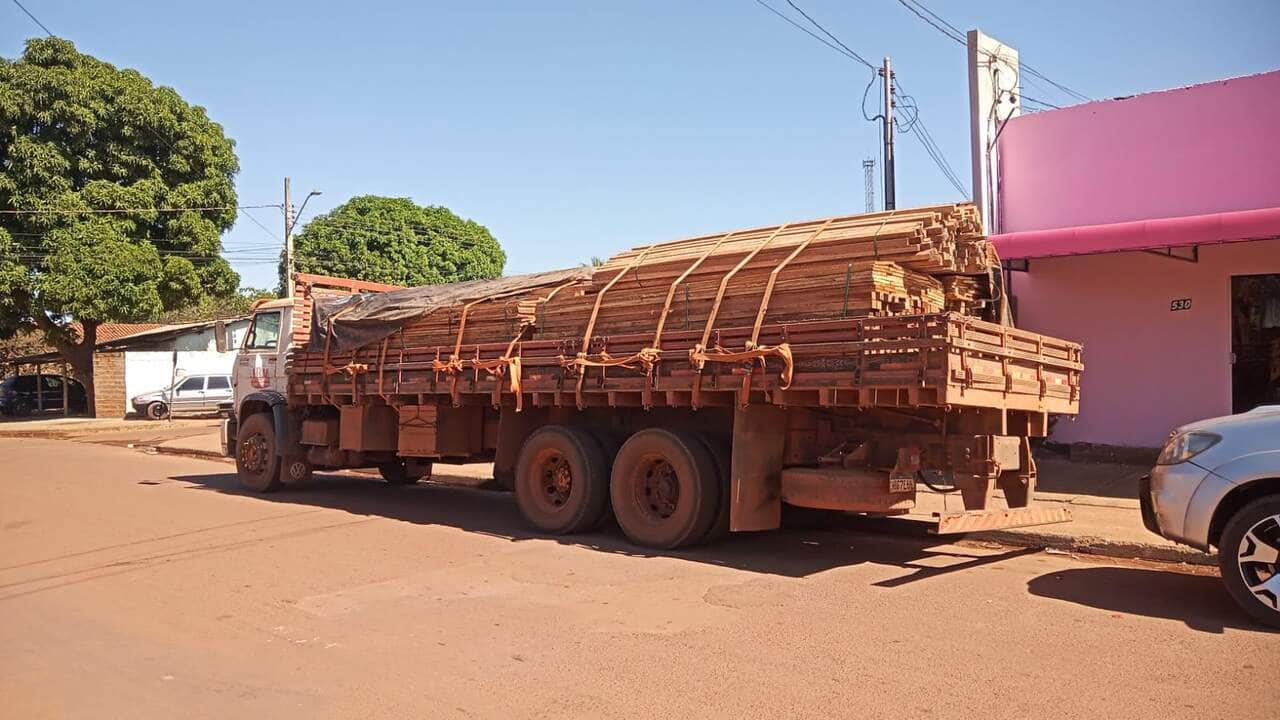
x: 665, y: 489
x: 562, y: 480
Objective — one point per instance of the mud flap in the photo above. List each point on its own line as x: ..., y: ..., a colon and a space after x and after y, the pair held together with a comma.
x: 758, y: 444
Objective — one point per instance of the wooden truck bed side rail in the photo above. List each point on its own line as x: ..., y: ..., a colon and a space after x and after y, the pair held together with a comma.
x: 936, y: 360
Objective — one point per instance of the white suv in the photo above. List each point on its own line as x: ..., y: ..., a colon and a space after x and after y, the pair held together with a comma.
x: 1217, y: 484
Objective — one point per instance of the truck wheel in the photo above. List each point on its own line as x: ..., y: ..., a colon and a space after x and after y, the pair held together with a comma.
x: 397, y: 473
x: 1249, y: 558
x: 257, y: 464
x: 609, y: 445
x: 722, y: 456
x: 562, y: 480
x: 664, y: 489
x: 157, y: 411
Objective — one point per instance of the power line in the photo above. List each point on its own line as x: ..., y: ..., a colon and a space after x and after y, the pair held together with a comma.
x: 855, y: 57
x: 953, y: 33
x: 264, y: 227
x: 957, y: 36
x: 834, y: 39
x: 130, y: 210
x: 1028, y: 98
x: 34, y: 19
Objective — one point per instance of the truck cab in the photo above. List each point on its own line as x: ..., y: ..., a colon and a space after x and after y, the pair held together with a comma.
x: 258, y: 373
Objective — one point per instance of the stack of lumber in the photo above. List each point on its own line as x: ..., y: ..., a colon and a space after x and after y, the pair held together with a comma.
x: 914, y: 261
x: 865, y: 265
x: 963, y: 292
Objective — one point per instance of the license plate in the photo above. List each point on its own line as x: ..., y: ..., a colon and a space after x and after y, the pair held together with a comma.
x: 903, y: 484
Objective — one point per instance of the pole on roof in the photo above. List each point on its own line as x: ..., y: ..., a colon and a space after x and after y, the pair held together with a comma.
x: 66, y: 404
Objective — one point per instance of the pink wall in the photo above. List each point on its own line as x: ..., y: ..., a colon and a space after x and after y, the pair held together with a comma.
x: 1147, y: 370
x: 1202, y: 149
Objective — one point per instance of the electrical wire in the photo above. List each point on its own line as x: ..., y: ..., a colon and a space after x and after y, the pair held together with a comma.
x: 953, y: 33
x: 92, y: 211
x: 34, y: 19
x: 855, y: 57
x: 834, y: 39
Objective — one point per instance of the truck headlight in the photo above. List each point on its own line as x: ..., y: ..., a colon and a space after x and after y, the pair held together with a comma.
x: 1185, y: 445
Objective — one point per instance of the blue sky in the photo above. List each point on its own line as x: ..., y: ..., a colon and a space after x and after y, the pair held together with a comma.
x: 574, y: 128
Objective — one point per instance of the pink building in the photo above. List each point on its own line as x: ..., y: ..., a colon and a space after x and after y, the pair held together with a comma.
x: 1147, y: 228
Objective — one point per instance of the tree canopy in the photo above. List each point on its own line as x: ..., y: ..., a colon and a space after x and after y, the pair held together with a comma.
x: 78, y: 137
x: 395, y: 241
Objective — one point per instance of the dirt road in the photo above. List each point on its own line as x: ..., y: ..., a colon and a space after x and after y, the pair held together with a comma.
x: 148, y: 587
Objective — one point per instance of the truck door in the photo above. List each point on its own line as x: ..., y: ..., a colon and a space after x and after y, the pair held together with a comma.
x: 258, y: 365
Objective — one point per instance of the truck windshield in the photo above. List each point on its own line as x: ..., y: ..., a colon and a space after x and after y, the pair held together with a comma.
x: 265, y: 332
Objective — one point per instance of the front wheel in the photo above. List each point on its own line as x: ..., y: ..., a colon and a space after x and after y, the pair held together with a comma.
x: 257, y: 464
x: 157, y: 411
x: 1249, y: 558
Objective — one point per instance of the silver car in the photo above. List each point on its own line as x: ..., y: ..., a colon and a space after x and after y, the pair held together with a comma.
x: 191, y: 394
x: 1217, y: 484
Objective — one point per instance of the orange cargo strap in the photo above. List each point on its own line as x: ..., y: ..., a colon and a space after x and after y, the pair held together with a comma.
x: 699, y: 356
x: 581, y: 361
x: 773, y: 279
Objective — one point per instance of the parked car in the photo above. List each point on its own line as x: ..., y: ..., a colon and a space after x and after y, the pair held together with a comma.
x: 1217, y: 484
x: 191, y: 394
x: 18, y: 395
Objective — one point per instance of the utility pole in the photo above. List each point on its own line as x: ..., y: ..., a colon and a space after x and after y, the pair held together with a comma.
x: 890, y: 201
x: 288, y: 241
x: 869, y: 183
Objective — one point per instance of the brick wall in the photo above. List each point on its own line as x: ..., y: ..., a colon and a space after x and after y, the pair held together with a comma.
x: 108, y: 383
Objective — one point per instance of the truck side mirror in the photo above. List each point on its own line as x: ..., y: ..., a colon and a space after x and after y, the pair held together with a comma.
x: 220, y: 335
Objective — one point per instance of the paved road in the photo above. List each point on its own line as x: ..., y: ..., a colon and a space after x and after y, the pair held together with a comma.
x: 148, y: 587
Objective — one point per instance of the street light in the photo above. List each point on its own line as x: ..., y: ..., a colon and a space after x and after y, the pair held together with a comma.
x: 305, y: 200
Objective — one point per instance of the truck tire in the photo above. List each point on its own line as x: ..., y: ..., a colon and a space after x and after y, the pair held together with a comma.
x: 1247, y: 557
x: 664, y: 489
x: 562, y: 480
x: 396, y: 473
x: 722, y: 456
x: 157, y: 411
x: 610, y: 444
x: 257, y: 464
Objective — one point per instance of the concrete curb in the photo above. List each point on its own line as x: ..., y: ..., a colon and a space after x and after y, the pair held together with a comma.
x: 188, y: 452
x: 1092, y: 545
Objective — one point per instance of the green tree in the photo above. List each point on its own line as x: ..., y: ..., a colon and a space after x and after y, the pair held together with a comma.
x: 78, y: 135
x: 218, y: 308
x: 393, y: 240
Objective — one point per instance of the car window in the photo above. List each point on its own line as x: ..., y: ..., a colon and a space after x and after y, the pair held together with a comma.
x: 218, y: 382
x: 52, y: 383
x: 264, y: 334
x: 194, y: 383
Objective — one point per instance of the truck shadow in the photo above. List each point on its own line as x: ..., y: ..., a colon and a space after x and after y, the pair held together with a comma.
x: 1199, y: 601
x: 791, y: 553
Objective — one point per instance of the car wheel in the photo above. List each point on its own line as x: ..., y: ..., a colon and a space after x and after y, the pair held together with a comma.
x: 21, y: 408
x: 1249, y: 557
x: 157, y: 411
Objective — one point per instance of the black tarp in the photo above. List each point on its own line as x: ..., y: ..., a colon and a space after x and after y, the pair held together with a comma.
x: 360, y: 320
